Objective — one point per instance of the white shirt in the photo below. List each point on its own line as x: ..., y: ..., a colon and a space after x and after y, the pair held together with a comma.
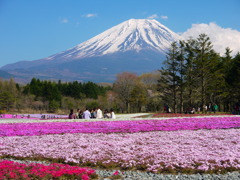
x: 113, y: 115
x: 99, y: 114
x: 86, y: 115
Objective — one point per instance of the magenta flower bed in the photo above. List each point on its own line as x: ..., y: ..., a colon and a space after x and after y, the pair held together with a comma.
x: 32, y: 116
x: 31, y: 129
x: 14, y: 170
x: 15, y: 116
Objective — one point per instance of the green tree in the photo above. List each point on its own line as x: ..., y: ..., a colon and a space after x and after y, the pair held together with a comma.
x: 216, y: 81
x: 150, y: 81
x: 92, y: 104
x: 91, y: 90
x: 181, y: 72
x: 138, y: 97
x: 50, y: 91
x: 234, y: 80
x: 168, y: 83
x: 227, y: 94
x: 53, y: 106
x: 35, y: 87
x: 190, y: 73
x: 6, y: 100
x: 204, y: 63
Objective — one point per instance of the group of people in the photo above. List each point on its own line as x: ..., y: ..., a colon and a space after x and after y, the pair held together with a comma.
x: 192, y: 110
x: 166, y: 108
x: 95, y: 113
x: 211, y: 107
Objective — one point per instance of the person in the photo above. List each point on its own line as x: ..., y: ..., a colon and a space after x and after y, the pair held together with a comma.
x: 165, y: 108
x: 80, y: 116
x: 205, y: 107
x: 188, y: 110
x: 77, y: 113
x: 209, y: 107
x: 71, y: 115
x: 93, y: 113
x: 238, y: 108
x: 199, y: 109
x: 99, y: 113
x: 106, y: 114
x: 193, y: 111
x: 113, y: 116
x: 215, y: 108
x: 169, y: 110
x: 86, y: 114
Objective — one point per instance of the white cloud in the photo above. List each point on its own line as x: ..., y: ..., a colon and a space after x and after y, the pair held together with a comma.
x: 154, y: 16
x: 90, y: 15
x: 64, y: 20
x: 220, y: 37
x: 163, y: 17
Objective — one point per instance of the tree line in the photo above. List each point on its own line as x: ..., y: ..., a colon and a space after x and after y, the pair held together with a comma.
x: 48, y: 96
x: 51, y: 90
x: 192, y: 75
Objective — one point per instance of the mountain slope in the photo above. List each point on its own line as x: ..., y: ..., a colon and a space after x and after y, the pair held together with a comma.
x: 5, y: 75
x: 136, y: 45
x: 134, y: 34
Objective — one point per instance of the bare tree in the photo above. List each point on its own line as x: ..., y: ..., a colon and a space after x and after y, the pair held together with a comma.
x: 124, y: 86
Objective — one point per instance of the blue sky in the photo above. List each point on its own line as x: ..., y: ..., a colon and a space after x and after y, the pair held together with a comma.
x: 35, y: 29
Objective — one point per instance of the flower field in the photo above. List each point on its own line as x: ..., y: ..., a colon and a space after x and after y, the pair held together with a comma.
x: 186, y: 145
x: 43, y: 128
x: 14, y: 170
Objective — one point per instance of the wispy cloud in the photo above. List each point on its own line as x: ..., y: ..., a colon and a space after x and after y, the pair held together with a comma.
x: 63, y: 20
x: 163, y: 17
x: 153, y: 16
x: 220, y: 37
x: 90, y: 15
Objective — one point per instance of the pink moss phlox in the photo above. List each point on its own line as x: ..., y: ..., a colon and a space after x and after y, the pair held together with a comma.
x: 116, y: 173
x: 15, y: 170
x: 31, y: 129
x: 152, y: 151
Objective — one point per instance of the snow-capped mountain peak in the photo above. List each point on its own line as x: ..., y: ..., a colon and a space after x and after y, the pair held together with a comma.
x: 133, y: 34
x: 136, y: 45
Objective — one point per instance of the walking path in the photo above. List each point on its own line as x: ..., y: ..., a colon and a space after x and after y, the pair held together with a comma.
x: 119, y: 117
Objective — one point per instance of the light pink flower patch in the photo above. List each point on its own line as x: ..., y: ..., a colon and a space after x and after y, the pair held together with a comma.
x: 199, y: 149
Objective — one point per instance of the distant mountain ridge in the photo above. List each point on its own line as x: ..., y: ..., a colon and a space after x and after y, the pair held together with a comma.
x: 5, y: 75
x: 136, y: 45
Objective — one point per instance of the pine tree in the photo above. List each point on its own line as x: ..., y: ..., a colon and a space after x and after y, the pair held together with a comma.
x: 168, y: 83
x: 181, y: 72
x: 190, y: 73
x: 204, y: 64
x: 235, y: 77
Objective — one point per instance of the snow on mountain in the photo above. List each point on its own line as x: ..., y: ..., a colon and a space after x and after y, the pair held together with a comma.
x: 134, y: 34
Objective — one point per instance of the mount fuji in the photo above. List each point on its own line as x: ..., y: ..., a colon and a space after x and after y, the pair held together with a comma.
x: 136, y: 45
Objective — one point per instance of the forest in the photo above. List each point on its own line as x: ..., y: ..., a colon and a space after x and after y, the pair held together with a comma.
x: 193, y: 75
